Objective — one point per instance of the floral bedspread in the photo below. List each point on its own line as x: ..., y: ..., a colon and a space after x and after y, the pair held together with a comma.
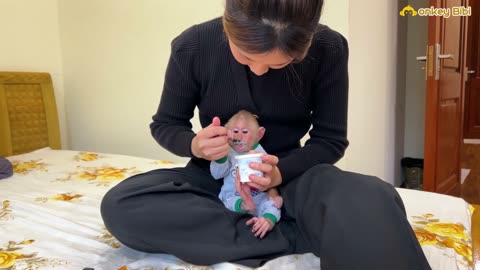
x: 50, y: 218
x: 442, y: 225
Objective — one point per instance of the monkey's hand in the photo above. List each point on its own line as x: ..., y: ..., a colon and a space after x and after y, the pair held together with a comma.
x: 261, y: 226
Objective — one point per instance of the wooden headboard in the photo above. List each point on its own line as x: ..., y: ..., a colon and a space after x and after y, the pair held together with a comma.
x: 28, y: 113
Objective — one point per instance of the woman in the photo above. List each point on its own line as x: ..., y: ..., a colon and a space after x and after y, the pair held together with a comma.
x: 272, y: 58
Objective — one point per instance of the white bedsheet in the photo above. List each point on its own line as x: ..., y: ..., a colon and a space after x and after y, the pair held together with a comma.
x: 50, y: 219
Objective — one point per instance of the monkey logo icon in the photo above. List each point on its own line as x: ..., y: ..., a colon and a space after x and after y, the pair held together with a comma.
x: 408, y: 10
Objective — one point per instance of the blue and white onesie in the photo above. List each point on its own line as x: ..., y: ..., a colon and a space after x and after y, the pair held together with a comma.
x: 225, y: 168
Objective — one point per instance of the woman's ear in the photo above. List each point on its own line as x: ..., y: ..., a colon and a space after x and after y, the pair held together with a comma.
x: 261, y: 132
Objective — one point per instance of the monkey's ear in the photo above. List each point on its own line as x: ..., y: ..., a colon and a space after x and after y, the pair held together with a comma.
x: 261, y: 132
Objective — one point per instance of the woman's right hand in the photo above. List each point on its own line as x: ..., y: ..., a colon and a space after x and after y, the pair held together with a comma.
x: 211, y: 143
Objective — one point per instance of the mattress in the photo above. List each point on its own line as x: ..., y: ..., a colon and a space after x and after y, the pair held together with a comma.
x: 50, y: 218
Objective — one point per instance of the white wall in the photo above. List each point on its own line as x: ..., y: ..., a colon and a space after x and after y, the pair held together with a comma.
x: 30, y: 42
x: 115, y: 54
x: 335, y: 15
x: 373, y: 86
x: 417, y: 35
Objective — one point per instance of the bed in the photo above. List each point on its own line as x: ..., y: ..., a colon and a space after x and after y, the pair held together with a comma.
x: 49, y: 208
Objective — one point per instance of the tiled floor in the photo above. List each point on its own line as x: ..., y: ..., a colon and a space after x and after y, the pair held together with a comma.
x: 471, y: 160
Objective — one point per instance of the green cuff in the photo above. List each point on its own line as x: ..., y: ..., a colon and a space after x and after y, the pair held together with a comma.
x: 271, y: 217
x: 222, y: 160
x: 237, y: 206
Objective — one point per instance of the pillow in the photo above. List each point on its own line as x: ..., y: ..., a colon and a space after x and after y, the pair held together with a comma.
x: 6, y: 169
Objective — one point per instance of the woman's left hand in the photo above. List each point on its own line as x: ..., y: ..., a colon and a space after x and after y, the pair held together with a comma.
x: 271, y: 174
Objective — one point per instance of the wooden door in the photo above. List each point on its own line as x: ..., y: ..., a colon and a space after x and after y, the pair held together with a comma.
x: 472, y: 87
x: 444, y: 104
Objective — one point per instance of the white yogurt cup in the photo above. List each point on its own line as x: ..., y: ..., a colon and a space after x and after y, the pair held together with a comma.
x: 244, y: 169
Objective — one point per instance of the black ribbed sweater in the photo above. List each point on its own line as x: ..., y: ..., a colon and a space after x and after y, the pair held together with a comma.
x: 313, y: 93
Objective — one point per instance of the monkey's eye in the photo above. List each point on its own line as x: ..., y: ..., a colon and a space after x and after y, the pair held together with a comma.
x: 245, y: 131
x: 236, y: 131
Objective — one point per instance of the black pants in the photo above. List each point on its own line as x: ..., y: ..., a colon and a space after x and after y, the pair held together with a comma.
x: 350, y: 221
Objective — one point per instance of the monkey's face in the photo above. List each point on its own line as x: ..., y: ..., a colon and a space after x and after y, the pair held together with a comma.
x: 242, y: 135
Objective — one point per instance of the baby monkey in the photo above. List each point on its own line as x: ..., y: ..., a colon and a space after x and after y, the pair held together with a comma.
x: 244, y: 134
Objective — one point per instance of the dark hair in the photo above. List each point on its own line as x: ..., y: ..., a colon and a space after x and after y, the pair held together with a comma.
x: 258, y: 26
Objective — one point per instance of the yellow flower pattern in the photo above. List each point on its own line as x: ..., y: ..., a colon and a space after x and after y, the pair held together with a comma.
x: 101, y: 176
x: 164, y: 162
x: 66, y: 197
x: 7, y: 259
x: 430, y: 231
x: 5, y: 211
x: 11, y: 257
x: 86, y: 156
x: 447, y: 230
x: 459, y: 246
x: 425, y: 237
x: 28, y: 166
x: 108, y: 239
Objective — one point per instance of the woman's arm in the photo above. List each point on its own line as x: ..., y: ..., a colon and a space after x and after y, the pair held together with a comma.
x: 171, y: 125
x: 328, y: 136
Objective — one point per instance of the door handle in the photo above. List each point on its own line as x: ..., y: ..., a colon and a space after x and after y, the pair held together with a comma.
x: 423, y: 58
x: 467, y: 72
x: 434, y: 63
x: 439, y: 56
x: 445, y: 56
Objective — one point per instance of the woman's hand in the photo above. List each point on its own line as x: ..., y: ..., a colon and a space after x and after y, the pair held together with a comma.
x: 271, y: 174
x: 211, y: 143
x: 277, y: 201
x: 271, y: 178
